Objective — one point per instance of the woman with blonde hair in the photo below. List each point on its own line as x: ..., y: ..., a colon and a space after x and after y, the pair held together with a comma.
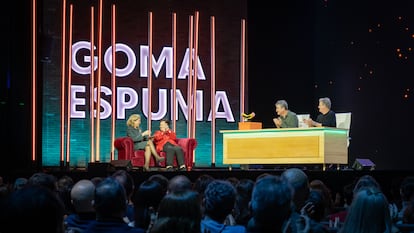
x: 142, y: 140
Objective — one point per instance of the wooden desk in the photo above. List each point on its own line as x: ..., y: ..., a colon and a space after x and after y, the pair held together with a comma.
x: 315, y: 145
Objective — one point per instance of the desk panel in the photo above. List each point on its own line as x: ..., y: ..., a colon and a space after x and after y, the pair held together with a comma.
x: 285, y: 146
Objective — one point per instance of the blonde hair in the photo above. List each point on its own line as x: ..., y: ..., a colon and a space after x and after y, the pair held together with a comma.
x: 132, y: 118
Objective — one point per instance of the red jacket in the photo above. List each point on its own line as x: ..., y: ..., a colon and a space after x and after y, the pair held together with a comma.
x: 160, y: 138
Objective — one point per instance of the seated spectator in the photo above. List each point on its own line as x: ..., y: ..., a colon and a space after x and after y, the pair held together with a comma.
x: 408, y: 214
x: 110, y: 206
x: 33, y: 208
x: 244, y: 191
x: 126, y: 180
x: 271, y: 205
x: 219, y: 201
x: 200, y: 185
x: 178, y: 212
x: 327, y: 199
x: 146, y: 201
x: 407, y: 197
x: 316, y: 200
x: 64, y: 186
x: 82, y: 195
x: 368, y: 213
x: 299, y: 219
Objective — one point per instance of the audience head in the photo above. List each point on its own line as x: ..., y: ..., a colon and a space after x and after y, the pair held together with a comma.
x: 43, y: 179
x: 126, y: 180
x: 178, y: 212
x: 179, y: 183
x: 19, y: 183
x: 96, y: 180
x: 201, y: 183
x: 366, y: 181
x: 369, y: 212
x: 300, y: 184
x: 271, y: 204
x: 83, y: 195
x: 262, y: 175
x: 161, y: 179
x: 146, y: 201
x: 33, y: 208
x: 110, y: 199
x: 219, y: 200
x: 233, y: 180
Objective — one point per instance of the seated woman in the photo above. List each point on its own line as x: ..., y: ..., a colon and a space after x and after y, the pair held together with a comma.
x: 141, y: 140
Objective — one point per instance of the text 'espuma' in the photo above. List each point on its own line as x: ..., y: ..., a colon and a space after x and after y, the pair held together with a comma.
x: 128, y: 98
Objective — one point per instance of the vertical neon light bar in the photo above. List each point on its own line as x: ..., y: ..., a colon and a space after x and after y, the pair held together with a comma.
x: 213, y: 89
x: 113, y: 82
x: 242, y: 67
x: 91, y: 88
x: 149, y: 70
x: 174, y: 78
x: 195, y: 57
x: 34, y: 73
x: 62, y: 87
x: 69, y: 85
x: 98, y: 85
x: 190, y: 79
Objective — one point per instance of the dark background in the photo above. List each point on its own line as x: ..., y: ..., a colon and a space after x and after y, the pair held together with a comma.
x: 358, y: 53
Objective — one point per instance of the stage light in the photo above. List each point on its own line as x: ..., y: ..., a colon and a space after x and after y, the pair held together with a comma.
x: 363, y: 164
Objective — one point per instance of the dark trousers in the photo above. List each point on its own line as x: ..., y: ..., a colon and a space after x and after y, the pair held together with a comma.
x: 172, y: 150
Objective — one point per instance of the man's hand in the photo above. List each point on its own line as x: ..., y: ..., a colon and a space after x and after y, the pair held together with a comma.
x: 277, y: 121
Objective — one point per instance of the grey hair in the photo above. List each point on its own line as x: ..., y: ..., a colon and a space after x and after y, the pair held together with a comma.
x: 282, y: 103
x: 326, y: 101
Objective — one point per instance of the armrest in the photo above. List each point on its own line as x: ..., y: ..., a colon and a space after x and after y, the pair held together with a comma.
x: 188, y: 144
x: 125, y: 147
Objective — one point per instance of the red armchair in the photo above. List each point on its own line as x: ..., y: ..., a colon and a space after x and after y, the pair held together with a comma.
x: 125, y: 148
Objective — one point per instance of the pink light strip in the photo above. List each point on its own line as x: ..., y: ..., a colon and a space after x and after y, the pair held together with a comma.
x: 69, y: 85
x: 174, y: 78
x: 195, y: 56
x: 242, y: 67
x: 113, y: 81
x: 91, y: 88
x: 190, y: 79
x: 213, y: 88
x: 62, y: 87
x: 149, y: 71
x: 98, y: 85
x: 34, y: 71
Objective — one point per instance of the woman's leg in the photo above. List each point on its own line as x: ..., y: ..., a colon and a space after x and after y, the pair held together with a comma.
x: 154, y: 151
x: 147, y: 156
